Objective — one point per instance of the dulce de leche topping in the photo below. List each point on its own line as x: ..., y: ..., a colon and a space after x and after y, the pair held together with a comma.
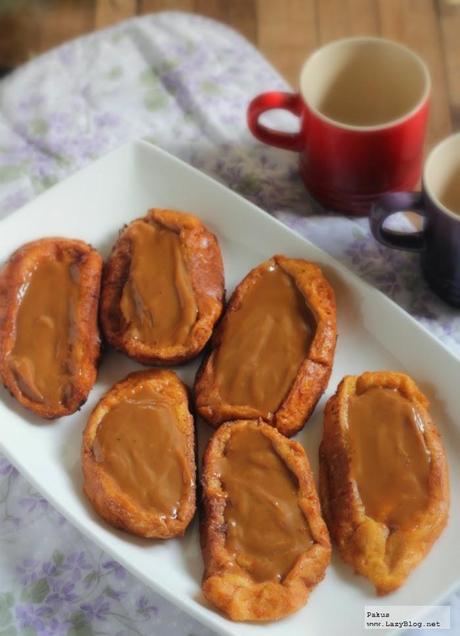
x: 264, y: 343
x: 157, y: 301
x: 139, y: 444
x: 266, y: 529
x: 390, y: 461
x: 42, y: 358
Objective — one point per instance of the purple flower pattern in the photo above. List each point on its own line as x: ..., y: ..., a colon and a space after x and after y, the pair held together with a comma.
x: 182, y: 82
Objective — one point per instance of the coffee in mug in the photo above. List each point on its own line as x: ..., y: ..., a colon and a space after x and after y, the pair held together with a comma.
x: 449, y: 193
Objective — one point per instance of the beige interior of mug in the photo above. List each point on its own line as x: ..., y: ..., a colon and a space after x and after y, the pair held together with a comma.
x: 441, y: 175
x: 364, y: 82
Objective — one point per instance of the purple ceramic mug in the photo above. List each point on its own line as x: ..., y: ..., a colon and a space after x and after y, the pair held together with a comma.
x: 439, y: 205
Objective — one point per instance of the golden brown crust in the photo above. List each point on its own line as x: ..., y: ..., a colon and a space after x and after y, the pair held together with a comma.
x: 204, y: 262
x: 109, y: 501
x: 314, y: 372
x: 87, y: 343
x: 228, y: 586
x: 385, y: 557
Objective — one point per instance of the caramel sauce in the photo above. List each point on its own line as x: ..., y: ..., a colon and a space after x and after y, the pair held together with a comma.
x: 264, y: 343
x: 389, y: 457
x: 139, y: 444
x: 266, y: 530
x: 157, y: 301
x: 42, y: 358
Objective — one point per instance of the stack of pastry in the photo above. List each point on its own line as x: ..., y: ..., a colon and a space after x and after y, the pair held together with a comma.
x: 383, y: 475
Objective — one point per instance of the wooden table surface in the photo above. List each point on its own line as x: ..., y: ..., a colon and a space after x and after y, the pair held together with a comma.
x: 286, y: 31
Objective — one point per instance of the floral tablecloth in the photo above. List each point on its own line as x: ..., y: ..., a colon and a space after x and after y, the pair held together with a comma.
x: 182, y: 82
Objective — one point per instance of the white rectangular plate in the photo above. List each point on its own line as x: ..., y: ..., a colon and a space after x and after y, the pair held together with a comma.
x: 373, y: 334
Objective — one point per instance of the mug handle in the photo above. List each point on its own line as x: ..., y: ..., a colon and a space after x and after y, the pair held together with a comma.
x: 269, y: 101
x: 390, y: 204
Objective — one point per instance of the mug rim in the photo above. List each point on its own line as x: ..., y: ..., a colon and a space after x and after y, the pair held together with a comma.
x: 431, y: 157
x: 388, y: 124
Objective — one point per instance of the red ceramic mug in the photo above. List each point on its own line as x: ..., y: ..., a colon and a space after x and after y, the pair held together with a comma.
x: 363, y: 106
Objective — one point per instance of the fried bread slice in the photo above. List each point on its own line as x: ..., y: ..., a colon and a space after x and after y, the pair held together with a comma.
x: 383, y: 476
x: 138, y: 455
x: 49, y: 337
x: 264, y: 542
x: 272, y: 353
x: 162, y: 288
